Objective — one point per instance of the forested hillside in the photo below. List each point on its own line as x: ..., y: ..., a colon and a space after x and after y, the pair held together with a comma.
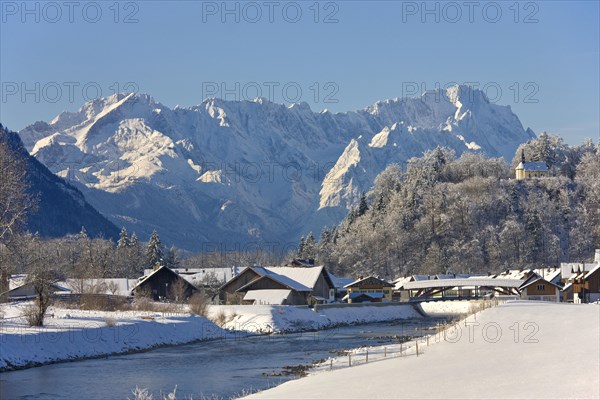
x: 449, y: 215
x: 61, y: 208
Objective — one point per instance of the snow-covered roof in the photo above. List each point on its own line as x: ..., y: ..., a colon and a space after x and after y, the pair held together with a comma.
x: 339, y: 283
x: 116, y: 286
x: 551, y: 274
x: 16, y: 281
x: 267, y: 296
x: 301, y: 279
x: 570, y: 270
x: 145, y: 278
x: 537, y: 280
x: 491, y: 282
x: 382, y: 281
x: 196, y: 275
x: 512, y: 274
x: 398, y: 283
x: 533, y: 166
x: 593, y: 270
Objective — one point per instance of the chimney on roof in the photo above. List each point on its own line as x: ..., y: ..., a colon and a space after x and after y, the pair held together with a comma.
x: 597, y: 257
x: 311, y: 261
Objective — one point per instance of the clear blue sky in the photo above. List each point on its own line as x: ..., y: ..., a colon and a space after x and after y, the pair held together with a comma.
x: 546, y: 51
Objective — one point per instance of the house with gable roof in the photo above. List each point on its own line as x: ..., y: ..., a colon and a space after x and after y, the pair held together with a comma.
x: 538, y: 288
x: 369, y: 289
x: 280, y: 286
x: 582, y: 281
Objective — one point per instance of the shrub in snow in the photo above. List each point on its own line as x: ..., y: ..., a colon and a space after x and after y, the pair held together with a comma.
x: 220, y: 319
x: 141, y: 394
x: 144, y: 394
x: 199, y: 304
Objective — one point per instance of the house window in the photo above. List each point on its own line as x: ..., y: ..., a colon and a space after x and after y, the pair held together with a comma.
x: 541, y: 287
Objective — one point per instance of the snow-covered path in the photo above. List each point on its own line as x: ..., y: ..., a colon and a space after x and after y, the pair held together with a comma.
x: 519, y: 350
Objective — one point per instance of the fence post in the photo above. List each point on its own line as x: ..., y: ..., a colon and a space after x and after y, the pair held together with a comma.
x: 349, y: 359
x: 427, y: 340
x: 331, y: 364
x: 417, y: 345
x: 384, y: 352
x: 367, y: 359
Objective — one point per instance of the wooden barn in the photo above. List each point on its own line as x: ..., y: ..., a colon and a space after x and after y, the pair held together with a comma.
x: 164, y: 283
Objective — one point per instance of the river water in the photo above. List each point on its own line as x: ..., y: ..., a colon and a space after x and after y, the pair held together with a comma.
x: 224, y: 368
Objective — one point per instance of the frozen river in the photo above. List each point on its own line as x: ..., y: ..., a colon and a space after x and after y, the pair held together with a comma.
x: 223, y: 367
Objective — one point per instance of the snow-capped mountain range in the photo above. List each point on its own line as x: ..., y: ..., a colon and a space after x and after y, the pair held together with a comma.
x: 229, y: 174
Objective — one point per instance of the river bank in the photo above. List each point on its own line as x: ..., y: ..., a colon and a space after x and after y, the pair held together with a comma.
x: 70, y: 335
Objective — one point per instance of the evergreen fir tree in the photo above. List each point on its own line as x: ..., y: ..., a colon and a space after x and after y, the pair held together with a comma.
x: 83, y: 233
x: 363, y: 207
x: 301, y: 247
x: 325, y: 237
x: 171, y: 260
x: 123, y: 239
x: 154, y: 252
x: 135, y: 262
x: 133, y: 241
x: 310, y: 247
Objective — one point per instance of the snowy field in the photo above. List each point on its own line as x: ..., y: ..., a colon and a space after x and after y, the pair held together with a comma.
x: 76, y: 334
x: 518, y: 350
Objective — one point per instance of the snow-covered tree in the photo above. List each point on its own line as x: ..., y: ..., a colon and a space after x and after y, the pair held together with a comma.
x: 154, y: 251
x: 123, y: 241
x: 15, y: 200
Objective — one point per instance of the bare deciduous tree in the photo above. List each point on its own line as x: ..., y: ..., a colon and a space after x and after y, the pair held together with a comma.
x: 15, y: 201
x: 178, y: 291
x: 42, y: 279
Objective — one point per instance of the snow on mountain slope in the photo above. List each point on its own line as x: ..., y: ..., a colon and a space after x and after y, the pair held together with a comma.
x: 232, y: 172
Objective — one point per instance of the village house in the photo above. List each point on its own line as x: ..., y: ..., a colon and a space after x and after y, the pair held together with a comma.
x: 582, y: 281
x: 280, y: 285
x: 369, y: 289
x: 200, y: 277
x: 538, y: 288
x: 532, y: 169
x: 164, y: 283
x: 26, y: 291
x: 71, y: 289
